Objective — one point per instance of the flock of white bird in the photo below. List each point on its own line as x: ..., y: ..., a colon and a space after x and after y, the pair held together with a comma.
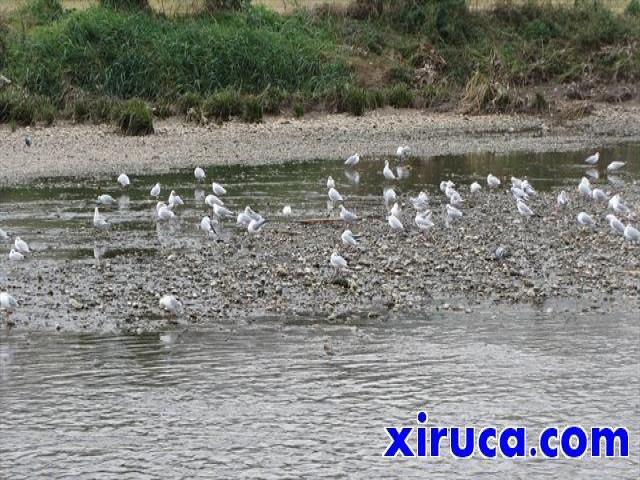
x: 253, y: 222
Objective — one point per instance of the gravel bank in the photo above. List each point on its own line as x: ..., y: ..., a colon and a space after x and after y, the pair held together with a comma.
x: 83, y: 150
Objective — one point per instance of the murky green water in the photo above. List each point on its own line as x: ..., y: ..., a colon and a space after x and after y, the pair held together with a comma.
x: 263, y: 400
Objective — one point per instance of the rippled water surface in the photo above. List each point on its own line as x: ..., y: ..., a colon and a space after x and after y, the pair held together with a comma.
x: 263, y: 399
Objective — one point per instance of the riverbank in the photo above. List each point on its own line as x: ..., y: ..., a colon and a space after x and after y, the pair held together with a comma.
x: 99, y: 150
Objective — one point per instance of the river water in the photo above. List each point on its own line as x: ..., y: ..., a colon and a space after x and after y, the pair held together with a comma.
x: 264, y: 400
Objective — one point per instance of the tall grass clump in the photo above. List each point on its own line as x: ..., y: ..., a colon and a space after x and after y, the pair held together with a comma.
x: 41, y: 12
x: 22, y: 108
x: 134, y: 118
x: 399, y: 96
x: 252, y: 109
x: 222, y: 105
x: 130, y: 54
x: 126, y: 4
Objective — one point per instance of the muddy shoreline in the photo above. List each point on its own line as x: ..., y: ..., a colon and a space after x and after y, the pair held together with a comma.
x: 88, y: 150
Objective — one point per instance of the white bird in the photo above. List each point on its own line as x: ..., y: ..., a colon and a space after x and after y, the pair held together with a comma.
x: 586, y: 220
x: 346, y: 215
x: 421, y: 202
x: 395, y: 223
x: 592, y: 173
x: 475, y: 187
x: 598, y: 195
x: 519, y: 194
x: 563, y: 199
x: 349, y: 239
x: 614, y: 166
x: 453, y: 213
x: 516, y: 182
x: 21, y: 246
x: 171, y: 304
x: 493, y: 181
x: 616, y: 225
x: 222, y: 212
x: 3, y: 235
x: 632, y: 234
x: 286, y: 210
x: 334, y: 196
x: 206, y: 225
x: 155, y: 191
x: 423, y: 221
x: 585, y: 187
x: 212, y: 200
x: 403, y: 151
x: 174, y: 200
x: 15, y: 256
x: 387, y: 172
x: 123, y: 180
x: 524, y: 209
x: 331, y: 182
x: 352, y: 160
x: 446, y: 184
x: 8, y: 304
x: 199, y: 174
x: 592, y: 159
x: 352, y: 176
x: 449, y: 191
x: 106, y: 199
x: 528, y: 189
x: 396, y: 210
x: 99, y: 221
x: 245, y: 217
x: 402, y: 172
x: 255, y: 225
x: 389, y: 195
x: 338, y: 262
x: 618, y: 206
x: 218, y: 189
x: 163, y: 212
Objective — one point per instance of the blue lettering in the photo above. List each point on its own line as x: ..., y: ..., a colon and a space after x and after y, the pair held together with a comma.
x: 517, y: 450
x: 436, y: 435
x: 399, y: 442
x: 546, y: 449
x: 483, y: 442
x: 565, y: 442
x: 609, y: 436
x: 456, y: 449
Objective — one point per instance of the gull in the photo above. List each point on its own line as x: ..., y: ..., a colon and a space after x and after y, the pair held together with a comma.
x: 593, y: 173
x: 123, y: 180
x: 475, y: 187
x: 331, y: 182
x: 453, y: 213
x: 423, y: 221
x: 199, y: 174
x: 402, y: 172
x: 501, y: 253
x: 516, y: 182
x: 106, y: 199
x: 222, y: 212
x: 446, y: 184
x: 586, y: 220
x: 15, y: 256
x: 338, y: 262
x: 599, y: 195
x: 519, y: 193
x: 563, y: 199
x: 349, y: 239
x: 212, y: 200
x: 99, y: 221
x: 155, y: 191
x: 395, y: 223
x: 352, y: 160
x: 21, y: 246
x: 403, y: 151
x: 286, y: 210
x: 389, y: 195
x: 174, y: 200
x: 346, y: 215
x: 218, y: 189
x: 255, y: 225
x: 493, y: 181
x: 617, y: 205
x: 163, y: 213
x: 592, y: 159
x: 171, y: 304
x: 585, y: 187
x: 206, y: 226
x: 387, y: 172
x: 632, y: 234
x: 334, y: 196
x: 524, y: 209
x: 616, y: 225
x: 244, y: 218
x: 396, y: 210
x: 3, y: 235
x: 529, y: 190
x: 455, y: 199
x: 613, y: 166
x: 421, y: 202
x: 449, y: 191
x: 8, y: 304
